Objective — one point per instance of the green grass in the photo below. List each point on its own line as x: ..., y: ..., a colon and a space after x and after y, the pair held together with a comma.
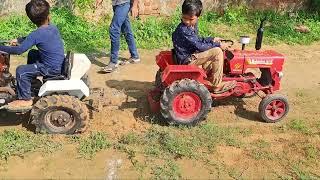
x: 84, y: 5
x: 298, y: 173
x: 299, y: 125
x: 89, y: 146
x: 261, y: 150
x: 182, y: 142
x: 166, y: 144
x: 84, y: 36
x: 168, y: 170
x: 130, y: 138
x: 311, y: 152
x: 18, y: 143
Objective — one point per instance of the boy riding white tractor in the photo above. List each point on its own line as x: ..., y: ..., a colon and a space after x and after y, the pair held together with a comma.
x: 59, y: 102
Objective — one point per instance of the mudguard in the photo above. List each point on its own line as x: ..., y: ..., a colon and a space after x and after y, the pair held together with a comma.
x: 177, y: 72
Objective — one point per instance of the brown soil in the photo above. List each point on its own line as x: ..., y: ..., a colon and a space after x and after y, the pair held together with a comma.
x: 128, y: 111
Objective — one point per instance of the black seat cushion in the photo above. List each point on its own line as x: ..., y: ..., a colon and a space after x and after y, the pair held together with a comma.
x: 65, y: 70
x: 59, y: 77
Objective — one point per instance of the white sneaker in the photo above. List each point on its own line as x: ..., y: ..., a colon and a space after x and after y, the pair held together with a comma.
x: 134, y: 61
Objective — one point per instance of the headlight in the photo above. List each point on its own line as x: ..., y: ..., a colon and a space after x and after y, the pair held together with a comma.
x: 280, y: 74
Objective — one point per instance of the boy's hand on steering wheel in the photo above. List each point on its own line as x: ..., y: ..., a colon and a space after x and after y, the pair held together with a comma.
x: 14, y: 42
x: 225, y: 45
x: 217, y: 39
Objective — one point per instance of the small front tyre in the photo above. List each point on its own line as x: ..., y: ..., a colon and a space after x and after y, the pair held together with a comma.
x: 60, y: 114
x: 273, y: 108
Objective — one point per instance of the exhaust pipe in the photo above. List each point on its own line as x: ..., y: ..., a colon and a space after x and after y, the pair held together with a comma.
x: 260, y: 34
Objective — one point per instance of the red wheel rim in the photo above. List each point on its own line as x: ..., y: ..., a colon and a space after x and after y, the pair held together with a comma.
x: 186, y: 105
x: 275, y: 110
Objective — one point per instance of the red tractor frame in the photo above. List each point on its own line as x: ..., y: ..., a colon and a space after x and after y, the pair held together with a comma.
x: 184, y: 95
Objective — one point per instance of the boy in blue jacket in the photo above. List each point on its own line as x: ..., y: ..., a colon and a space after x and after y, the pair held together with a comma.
x: 205, y: 52
x: 46, y: 61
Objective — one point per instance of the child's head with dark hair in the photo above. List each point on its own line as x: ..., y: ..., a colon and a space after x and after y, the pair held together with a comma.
x: 192, y: 7
x: 38, y: 11
x: 191, y: 10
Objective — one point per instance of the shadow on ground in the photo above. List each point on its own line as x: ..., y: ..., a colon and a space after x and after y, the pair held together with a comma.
x: 11, y: 119
x: 137, y: 90
x: 240, y: 110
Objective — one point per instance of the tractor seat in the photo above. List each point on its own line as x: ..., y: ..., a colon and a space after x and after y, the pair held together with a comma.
x: 65, y: 71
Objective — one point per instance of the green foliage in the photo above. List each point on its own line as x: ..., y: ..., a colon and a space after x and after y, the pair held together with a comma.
x: 261, y: 150
x: 18, y: 143
x: 130, y: 139
x: 168, y: 170
x: 160, y: 141
x: 84, y: 36
x: 96, y: 142
x: 301, y: 174
x: 84, y: 5
x: 315, y: 5
x: 311, y: 152
x: 299, y: 125
x: 15, y: 26
x: 78, y: 34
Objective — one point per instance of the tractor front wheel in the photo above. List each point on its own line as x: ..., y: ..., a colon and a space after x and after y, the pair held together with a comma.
x: 60, y: 114
x: 273, y: 108
x: 185, y: 102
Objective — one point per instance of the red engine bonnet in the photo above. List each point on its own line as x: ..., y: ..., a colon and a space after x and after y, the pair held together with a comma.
x: 243, y: 60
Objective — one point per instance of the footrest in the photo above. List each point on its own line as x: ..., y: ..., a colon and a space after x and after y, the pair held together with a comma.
x: 17, y: 110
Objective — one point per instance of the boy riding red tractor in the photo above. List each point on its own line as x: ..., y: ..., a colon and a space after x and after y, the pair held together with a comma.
x: 184, y: 95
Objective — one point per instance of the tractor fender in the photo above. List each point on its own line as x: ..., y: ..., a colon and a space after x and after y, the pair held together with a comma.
x: 75, y: 88
x: 177, y: 72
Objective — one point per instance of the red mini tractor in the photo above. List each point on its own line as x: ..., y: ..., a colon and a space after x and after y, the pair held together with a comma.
x: 184, y: 95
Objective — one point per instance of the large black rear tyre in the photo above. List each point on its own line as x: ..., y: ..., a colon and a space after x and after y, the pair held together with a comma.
x: 185, y: 102
x: 59, y: 114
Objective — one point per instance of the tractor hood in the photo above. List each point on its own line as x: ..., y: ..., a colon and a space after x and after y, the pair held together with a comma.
x: 258, y: 57
x: 241, y: 60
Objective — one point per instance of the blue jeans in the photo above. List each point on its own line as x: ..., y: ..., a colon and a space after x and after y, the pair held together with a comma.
x: 121, y: 23
x: 25, y: 74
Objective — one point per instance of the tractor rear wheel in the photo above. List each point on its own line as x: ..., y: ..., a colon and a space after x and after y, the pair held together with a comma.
x: 185, y: 102
x: 60, y: 114
x: 273, y: 108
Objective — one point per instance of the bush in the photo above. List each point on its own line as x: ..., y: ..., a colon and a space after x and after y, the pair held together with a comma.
x: 82, y: 36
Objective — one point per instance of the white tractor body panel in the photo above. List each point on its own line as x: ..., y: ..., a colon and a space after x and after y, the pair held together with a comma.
x: 72, y: 87
x: 81, y: 65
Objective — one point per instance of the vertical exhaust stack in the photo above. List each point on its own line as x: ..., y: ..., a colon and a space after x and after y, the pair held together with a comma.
x: 260, y: 34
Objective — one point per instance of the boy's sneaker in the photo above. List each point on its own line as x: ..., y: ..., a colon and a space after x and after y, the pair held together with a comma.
x: 130, y: 61
x: 110, y: 68
x: 134, y: 60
